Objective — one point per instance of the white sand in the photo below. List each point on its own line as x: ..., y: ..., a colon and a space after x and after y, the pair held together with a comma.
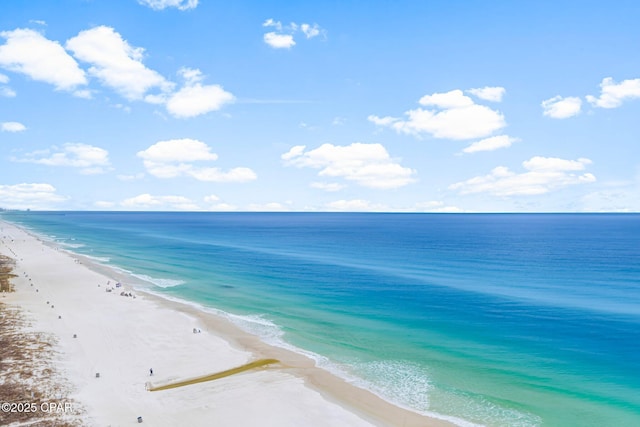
x: 121, y: 338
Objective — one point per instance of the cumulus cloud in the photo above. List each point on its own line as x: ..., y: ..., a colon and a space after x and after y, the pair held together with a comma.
x: 452, y: 115
x: 561, y: 108
x: 487, y: 93
x: 163, y: 4
x: 451, y: 99
x: 30, y: 196
x: 613, y: 94
x: 194, y: 98
x: 283, y: 36
x: 116, y: 63
x: 368, y: 165
x: 12, y: 127
x: 279, y: 41
x: 30, y: 53
x: 543, y: 174
x: 89, y: 159
x: 113, y: 62
x: 178, y: 150
x: 148, y: 202
x: 175, y: 157
x: 490, y: 144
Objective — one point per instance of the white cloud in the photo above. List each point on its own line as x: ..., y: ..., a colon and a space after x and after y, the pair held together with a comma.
x: 613, y: 197
x: 561, y: 108
x: 354, y: 205
x: 338, y: 121
x: 163, y: 4
x: 436, y: 206
x: 194, y: 98
x: 612, y: 94
x: 543, y: 174
x: 217, y: 175
x: 12, y: 127
x: 7, y: 92
x: 382, y: 121
x: 173, y: 158
x: 310, y: 30
x: 283, y: 37
x: 178, y: 150
x: 29, y: 52
x: 83, y: 93
x: 271, y: 23
x: 279, y: 41
x: 29, y: 196
x: 369, y: 165
x: 487, y: 93
x: 490, y: 144
x: 455, y: 116
x: 89, y: 159
x: 116, y: 63
x: 148, y: 202
x: 539, y: 163
x: 294, y: 152
x: 211, y: 198
x: 328, y: 186
x: 191, y: 76
x: 451, y: 99
x: 223, y: 207
x: 267, y: 207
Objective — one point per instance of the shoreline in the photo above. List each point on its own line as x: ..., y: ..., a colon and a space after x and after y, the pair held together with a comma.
x: 306, y: 393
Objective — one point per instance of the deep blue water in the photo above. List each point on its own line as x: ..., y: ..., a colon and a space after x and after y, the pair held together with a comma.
x: 497, y: 319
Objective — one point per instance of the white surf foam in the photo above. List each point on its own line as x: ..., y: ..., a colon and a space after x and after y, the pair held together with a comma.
x: 163, y: 283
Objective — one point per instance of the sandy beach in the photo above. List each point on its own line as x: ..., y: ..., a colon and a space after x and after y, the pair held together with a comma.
x: 108, y: 344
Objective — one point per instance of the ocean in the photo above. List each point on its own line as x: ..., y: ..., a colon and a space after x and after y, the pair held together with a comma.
x: 485, y: 319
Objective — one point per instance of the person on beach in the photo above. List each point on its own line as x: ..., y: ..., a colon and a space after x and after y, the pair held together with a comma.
x: 150, y: 372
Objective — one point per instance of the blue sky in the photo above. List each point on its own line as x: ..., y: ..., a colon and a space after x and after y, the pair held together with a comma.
x: 411, y: 106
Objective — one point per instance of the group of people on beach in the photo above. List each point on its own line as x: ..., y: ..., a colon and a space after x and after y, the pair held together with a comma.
x: 122, y: 294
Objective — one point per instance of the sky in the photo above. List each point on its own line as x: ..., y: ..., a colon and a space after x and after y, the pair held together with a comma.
x: 403, y: 106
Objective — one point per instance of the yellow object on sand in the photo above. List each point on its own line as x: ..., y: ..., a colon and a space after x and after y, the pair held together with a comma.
x: 218, y: 375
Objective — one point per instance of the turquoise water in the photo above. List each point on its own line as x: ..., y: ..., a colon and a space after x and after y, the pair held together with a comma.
x: 497, y: 320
